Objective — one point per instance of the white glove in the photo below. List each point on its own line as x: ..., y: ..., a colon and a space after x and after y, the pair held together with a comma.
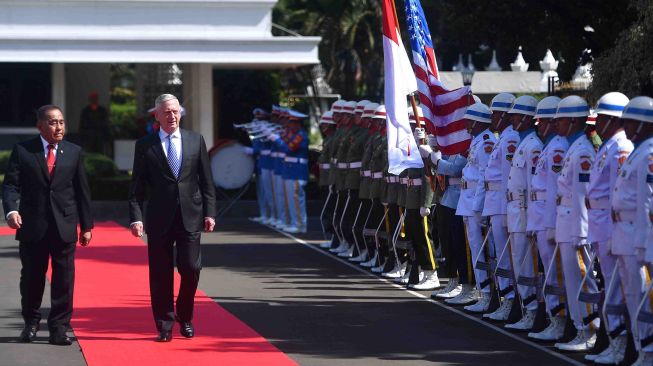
x: 425, y: 151
x: 432, y: 141
x: 436, y: 156
x: 419, y: 134
x: 273, y: 137
x: 248, y: 150
x: 424, y: 211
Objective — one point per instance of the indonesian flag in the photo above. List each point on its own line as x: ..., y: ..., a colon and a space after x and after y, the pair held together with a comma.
x: 399, y: 82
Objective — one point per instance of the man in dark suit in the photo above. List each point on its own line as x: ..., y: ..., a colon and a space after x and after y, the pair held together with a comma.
x: 47, y: 175
x: 173, y: 165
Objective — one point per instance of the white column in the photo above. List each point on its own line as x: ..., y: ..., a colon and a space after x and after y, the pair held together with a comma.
x: 200, y: 114
x: 58, y: 82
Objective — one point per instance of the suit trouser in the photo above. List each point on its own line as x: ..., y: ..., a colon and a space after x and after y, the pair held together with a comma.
x: 521, y: 249
x: 500, y: 236
x: 545, y: 247
x: 608, y: 263
x: 416, y: 228
x: 633, y: 282
x: 296, y: 199
x: 280, y: 199
x: 455, y: 231
x: 444, y: 240
x: 160, y: 250
x: 34, y: 258
x: 265, y: 181
x: 475, y: 239
x: 574, y: 266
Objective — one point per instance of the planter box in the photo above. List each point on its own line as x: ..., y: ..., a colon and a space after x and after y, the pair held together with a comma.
x: 123, y: 154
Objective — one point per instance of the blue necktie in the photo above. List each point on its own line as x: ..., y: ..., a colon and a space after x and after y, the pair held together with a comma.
x: 173, y: 159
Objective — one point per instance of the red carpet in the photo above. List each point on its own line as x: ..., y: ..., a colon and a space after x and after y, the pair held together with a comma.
x: 5, y: 230
x: 113, y: 321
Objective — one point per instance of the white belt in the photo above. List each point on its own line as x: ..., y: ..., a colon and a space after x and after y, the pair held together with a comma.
x: 624, y: 216
x: 355, y: 164
x: 367, y: 173
x: 377, y: 175
x: 538, y: 196
x: 342, y: 165
x: 415, y: 182
x: 334, y: 161
x: 603, y: 204
x: 493, y: 186
x: 392, y: 179
x: 292, y: 159
x: 454, y: 181
x: 265, y: 152
x: 403, y: 181
x: 564, y: 201
x: 469, y: 185
x: 274, y: 154
x: 325, y: 166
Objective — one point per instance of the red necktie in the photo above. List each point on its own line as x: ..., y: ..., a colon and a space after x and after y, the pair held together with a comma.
x: 50, y: 159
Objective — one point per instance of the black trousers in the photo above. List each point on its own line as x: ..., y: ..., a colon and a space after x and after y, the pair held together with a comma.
x: 329, y: 208
x: 349, y: 213
x: 160, y: 251
x: 417, y: 231
x: 363, y: 216
x: 376, y: 212
x: 459, y: 257
x: 34, y: 258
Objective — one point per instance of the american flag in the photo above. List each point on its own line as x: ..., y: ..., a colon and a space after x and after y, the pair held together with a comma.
x: 443, y: 109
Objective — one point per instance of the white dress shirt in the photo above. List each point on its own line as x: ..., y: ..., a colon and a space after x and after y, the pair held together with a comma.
x: 176, y: 140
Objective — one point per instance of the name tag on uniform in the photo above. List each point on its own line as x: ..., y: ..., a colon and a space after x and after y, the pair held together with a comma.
x: 583, y: 177
x: 649, y: 178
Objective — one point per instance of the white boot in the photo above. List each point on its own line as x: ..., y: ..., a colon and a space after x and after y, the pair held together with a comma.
x: 502, y: 313
x: 614, y: 354
x: 481, y: 305
x: 644, y: 359
x: 453, y: 283
x: 379, y: 268
x: 396, y: 272
x: 553, y: 332
x: 430, y: 281
x: 466, y: 296
x: 583, y: 342
x: 525, y: 323
x: 456, y: 289
x: 360, y: 258
x: 348, y: 253
x: 340, y: 248
x: 371, y: 262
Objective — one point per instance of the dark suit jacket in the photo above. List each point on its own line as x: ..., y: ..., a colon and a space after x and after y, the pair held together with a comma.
x: 193, y: 191
x: 67, y: 196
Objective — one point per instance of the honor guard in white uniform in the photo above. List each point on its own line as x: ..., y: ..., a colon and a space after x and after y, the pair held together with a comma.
x: 495, y: 205
x: 524, y: 258
x: 571, y: 220
x: 611, y: 155
x: 631, y: 209
x: 541, y: 213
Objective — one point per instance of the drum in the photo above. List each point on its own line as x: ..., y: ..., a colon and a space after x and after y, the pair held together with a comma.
x: 231, y: 167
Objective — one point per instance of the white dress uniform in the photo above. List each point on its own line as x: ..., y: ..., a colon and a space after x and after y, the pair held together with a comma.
x: 518, y: 191
x: 571, y: 227
x: 631, y: 207
x: 541, y: 213
x: 495, y: 205
x: 472, y: 197
x: 612, y: 154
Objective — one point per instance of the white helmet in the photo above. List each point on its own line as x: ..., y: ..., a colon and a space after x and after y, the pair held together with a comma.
x: 368, y: 111
x: 525, y: 105
x: 379, y: 112
x: 572, y: 106
x: 611, y: 104
x: 502, y: 102
x: 639, y: 109
x: 327, y: 118
x: 476, y: 99
x: 336, y: 107
x: 547, y: 107
x: 478, y: 112
x: 360, y: 106
x: 349, y: 107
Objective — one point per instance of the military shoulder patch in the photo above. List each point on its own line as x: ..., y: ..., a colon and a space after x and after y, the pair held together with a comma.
x: 585, y: 165
x: 487, y: 148
x: 511, y: 148
x: 557, y: 159
x: 556, y: 168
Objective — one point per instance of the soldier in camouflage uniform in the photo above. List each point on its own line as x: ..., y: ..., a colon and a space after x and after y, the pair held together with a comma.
x: 327, y: 129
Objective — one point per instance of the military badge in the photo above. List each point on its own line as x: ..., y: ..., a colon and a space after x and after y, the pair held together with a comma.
x: 557, y: 159
x: 585, y: 165
x: 512, y: 148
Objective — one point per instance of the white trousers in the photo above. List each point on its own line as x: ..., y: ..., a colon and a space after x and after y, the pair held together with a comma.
x: 500, y: 235
x: 633, y: 281
x: 574, y: 266
x: 523, y: 265
x: 475, y: 239
x: 615, y: 297
x: 546, y: 247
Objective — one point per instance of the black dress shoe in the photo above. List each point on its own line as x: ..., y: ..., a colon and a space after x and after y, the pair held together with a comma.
x: 60, y: 340
x: 164, y: 336
x: 186, y: 329
x: 29, y: 333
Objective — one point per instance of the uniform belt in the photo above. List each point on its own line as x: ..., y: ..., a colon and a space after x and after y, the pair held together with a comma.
x: 292, y: 159
x: 394, y: 179
x: 623, y: 216
x: 377, y: 175
x: 342, y: 165
x: 274, y: 154
x: 454, y: 181
x: 403, y: 181
x: 513, y: 196
x: 563, y: 201
x: 334, y: 161
x: 325, y: 166
x: 355, y: 164
x: 492, y: 186
x: 414, y: 182
x: 603, y: 204
x: 538, y: 196
x: 468, y: 185
x: 265, y: 152
x: 367, y: 173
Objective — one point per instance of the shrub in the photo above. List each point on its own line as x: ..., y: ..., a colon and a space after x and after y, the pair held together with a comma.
x: 110, y: 188
x: 4, y: 160
x: 99, y: 166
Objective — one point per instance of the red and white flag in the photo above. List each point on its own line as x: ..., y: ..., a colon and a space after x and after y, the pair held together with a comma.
x: 399, y: 81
